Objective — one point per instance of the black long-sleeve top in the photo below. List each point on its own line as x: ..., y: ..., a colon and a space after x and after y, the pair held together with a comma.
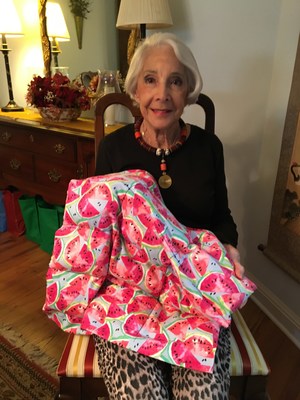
x: 198, y: 194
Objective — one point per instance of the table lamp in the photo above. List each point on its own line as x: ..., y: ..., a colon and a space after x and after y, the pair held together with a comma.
x: 56, y: 28
x: 10, y: 26
x: 137, y: 15
x: 142, y: 14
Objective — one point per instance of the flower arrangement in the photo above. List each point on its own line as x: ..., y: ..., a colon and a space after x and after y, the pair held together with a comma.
x: 57, y: 91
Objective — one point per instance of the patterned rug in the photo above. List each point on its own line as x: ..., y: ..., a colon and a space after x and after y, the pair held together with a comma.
x: 25, y: 372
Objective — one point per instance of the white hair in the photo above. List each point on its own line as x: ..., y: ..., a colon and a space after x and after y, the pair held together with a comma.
x: 183, y: 54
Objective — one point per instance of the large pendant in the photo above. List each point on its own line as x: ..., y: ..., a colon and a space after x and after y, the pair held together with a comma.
x: 165, y: 181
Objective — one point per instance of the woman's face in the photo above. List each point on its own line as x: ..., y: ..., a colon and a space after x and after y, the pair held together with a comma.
x: 161, y: 88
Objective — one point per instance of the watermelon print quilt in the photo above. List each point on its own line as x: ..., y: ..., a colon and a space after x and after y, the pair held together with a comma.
x: 125, y: 269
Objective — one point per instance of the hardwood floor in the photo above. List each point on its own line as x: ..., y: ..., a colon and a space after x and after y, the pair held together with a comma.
x: 23, y: 266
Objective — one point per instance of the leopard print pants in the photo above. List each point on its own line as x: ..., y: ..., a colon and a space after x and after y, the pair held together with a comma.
x: 130, y: 375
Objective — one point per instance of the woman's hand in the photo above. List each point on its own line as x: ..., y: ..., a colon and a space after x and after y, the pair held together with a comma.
x: 234, y: 256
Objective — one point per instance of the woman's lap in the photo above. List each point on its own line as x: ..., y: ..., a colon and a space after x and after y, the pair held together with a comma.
x: 130, y: 375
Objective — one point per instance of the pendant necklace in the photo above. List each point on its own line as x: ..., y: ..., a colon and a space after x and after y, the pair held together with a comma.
x: 165, y: 180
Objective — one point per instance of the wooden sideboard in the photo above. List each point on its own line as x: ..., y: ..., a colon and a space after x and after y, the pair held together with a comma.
x: 39, y: 157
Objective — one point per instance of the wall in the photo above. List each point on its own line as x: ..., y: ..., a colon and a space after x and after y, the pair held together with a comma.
x: 99, y: 39
x: 246, y: 51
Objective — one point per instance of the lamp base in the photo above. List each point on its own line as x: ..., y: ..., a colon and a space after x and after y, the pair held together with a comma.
x: 12, y: 106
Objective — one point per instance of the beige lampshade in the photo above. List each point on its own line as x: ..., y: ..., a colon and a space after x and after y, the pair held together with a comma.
x: 154, y: 13
x: 10, y: 24
x: 56, y: 24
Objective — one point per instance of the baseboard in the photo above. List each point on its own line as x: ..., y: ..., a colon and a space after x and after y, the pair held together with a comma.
x: 286, y: 320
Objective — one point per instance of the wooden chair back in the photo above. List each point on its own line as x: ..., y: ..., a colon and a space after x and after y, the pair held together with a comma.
x: 102, y: 104
x: 121, y: 98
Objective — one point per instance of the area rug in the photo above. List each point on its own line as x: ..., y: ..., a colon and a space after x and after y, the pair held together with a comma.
x: 25, y: 372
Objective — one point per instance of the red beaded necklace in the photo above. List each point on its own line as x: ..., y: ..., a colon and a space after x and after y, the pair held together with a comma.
x: 165, y: 181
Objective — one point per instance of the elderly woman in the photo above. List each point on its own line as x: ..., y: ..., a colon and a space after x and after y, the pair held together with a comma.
x: 188, y: 164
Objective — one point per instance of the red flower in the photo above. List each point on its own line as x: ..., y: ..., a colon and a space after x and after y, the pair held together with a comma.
x: 57, y: 91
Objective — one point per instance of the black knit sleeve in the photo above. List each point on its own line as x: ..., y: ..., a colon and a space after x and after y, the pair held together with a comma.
x: 103, y: 164
x: 224, y: 226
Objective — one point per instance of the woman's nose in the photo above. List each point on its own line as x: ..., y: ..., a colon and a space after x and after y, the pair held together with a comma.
x: 162, y: 92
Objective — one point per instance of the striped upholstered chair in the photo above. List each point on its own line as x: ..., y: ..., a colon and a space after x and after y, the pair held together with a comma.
x: 80, y: 377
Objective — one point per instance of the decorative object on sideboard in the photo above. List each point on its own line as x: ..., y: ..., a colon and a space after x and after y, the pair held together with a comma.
x: 80, y: 9
x: 137, y: 15
x: 57, y: 98
x: 105, y: 82
x: 108, y: 82
x: 62, y: 70
x: 98, y: 83
x: 59, y: 114
x: 56, y: 28
x: 10, y: 26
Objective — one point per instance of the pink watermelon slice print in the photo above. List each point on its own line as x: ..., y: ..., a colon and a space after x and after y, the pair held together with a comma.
x: 124, y: 268
x: 192, y: 353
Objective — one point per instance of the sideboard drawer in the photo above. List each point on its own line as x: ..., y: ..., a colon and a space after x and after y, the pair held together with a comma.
x: 17, y: 136
x: 6, y: 136
x: 40, y: 157
x: 16, y: 163
x: 53, y: 173
x: 53, y: 145
x: 40, y: 142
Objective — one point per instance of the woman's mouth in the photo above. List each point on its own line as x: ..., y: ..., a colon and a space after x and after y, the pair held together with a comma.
x: 160, y: 111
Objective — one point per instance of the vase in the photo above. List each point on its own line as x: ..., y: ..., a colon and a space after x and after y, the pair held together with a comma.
x: 79, y: 29
x: 59, y: 114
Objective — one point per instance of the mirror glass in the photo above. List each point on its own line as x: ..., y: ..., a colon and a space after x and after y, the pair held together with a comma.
x: 100, y: 49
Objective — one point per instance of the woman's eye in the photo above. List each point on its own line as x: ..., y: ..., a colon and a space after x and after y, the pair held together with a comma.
x: 149, y: 79
x: 176, y: 81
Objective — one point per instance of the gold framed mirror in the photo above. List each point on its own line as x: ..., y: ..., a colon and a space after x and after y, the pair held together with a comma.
x: 121, y: 40
x: 46, y: 49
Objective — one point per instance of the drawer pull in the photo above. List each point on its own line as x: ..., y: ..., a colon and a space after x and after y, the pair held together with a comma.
x: 31, y: 138
x: 59, y: 148
x: 54, y: 175
x: 6, y: 136
x: 15, y: 164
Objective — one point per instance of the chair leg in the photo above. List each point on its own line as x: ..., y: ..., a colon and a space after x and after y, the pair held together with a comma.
x: 237, y: 387
x: 256, y: 388
x: 82, y: 389
x: 249, y: 388
x: 69, y: 389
